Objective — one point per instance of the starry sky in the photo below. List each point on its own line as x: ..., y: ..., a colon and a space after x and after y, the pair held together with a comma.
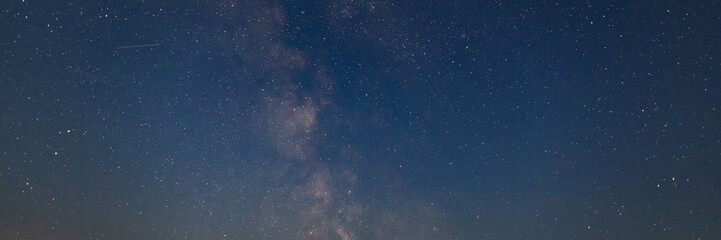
x: 360, y: 119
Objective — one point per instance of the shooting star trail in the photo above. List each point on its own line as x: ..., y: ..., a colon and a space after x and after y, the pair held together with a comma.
x: 139, y: 46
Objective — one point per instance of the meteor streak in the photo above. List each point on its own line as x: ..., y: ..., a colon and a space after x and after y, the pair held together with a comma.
x: 139, y: 46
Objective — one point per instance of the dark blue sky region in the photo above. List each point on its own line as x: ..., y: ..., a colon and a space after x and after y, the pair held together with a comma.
x: 360, y: 119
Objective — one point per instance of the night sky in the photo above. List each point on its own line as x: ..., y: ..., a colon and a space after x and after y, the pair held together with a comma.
x: 360, y: 119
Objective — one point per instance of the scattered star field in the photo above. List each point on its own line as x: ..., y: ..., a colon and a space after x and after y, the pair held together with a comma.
x: 360, y: 119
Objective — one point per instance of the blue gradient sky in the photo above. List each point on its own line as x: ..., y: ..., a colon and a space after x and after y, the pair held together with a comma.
x: 360, y: 120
